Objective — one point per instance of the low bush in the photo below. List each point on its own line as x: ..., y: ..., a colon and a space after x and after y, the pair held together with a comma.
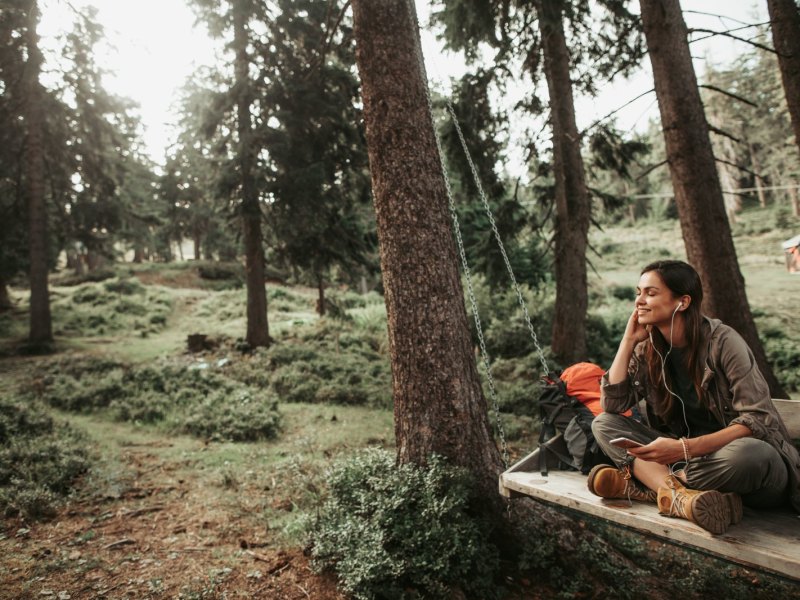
x: 244, y: 416
x: 393, y: 531
x: 322, y: 363
x: 118, y: 305
x: 201, y: 402
x: 40, y: 460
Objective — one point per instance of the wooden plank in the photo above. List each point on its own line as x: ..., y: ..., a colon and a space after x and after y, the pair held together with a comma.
x: 769, y: 541
x: 790, y: 413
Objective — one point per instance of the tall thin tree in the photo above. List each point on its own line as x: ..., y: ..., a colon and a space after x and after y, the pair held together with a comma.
x: 257, y: 324
x: 438, y: 402
x: 573, y: 208
x: 698, y: 194
x: 784, y: 16
x: 41, y: 330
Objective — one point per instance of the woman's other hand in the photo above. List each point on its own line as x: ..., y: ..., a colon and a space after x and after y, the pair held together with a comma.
x: 664, y: 451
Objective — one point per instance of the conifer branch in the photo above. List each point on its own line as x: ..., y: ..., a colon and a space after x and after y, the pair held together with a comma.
x: 714, y: 88
x: 723, y: 133
x: 730, y: 35
x: 615, y: 111
x: 650, y: 169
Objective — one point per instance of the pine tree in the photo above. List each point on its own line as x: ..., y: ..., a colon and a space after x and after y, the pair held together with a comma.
x: 233, y: 20
x: 568, y: 35
x: 698, y: 195
x: 41, y: 329
x: 317, y: 181
x: 439, y: 404
x: 784, y: 16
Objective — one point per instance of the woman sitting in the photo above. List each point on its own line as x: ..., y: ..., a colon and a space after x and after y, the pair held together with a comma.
x: 714, y: 438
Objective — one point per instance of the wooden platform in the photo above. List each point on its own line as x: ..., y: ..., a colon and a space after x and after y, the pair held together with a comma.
x: 763, y: 540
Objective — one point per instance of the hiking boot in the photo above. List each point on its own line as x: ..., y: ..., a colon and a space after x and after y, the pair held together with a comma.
x: 711, y: 510
x: 610, y: 482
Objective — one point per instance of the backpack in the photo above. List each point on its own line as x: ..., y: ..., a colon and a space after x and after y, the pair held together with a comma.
x: 567, y: 406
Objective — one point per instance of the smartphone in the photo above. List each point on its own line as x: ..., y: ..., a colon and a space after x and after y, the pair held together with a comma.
x: 625, y: 443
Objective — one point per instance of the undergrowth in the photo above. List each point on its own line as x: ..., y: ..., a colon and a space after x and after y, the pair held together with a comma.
x: 187, y: 400
x: 40, y: 460
x: 112, y: 306
x: 392, y: 531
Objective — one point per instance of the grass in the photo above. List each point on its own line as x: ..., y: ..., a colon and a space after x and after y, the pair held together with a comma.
x: 278, y: 484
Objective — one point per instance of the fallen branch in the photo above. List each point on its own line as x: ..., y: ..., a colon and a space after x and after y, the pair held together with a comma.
x: 123, y: 542
x: 142, y: 511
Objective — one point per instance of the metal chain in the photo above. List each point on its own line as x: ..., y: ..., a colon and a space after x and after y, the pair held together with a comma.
x: 497, y: 237
x: 460, y: 242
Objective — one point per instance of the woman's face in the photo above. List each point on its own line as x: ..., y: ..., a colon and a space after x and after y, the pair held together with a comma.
x: 655, y: 302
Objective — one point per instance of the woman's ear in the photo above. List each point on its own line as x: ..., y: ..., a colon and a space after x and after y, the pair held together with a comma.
x: 684, y: 302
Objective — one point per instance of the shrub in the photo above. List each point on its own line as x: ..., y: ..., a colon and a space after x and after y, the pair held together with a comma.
x: 239, y: 417
x: 403, y: 532
x: 220, y: 408
x: 117, y: 305
x: 221, y: 271
x: 124, y: 287
x: 39, y: 460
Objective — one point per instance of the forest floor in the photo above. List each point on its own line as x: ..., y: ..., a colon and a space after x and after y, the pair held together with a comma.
x: 161, y: 515
x: 157, y: 520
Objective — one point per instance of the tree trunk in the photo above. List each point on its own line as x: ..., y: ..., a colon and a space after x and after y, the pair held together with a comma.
x: 41, y: 329
x: 138, y: 254
x: 758, y: 180
x: 795, y: 200
x: 784, y: 17
x: 698, y: 195
x: 573, y: 210
x: 439, y: 405
x: 257, y: 324
x: 94, y: 260
x: 197, y: 241
x: 5, y: 297
x: 320, y: 297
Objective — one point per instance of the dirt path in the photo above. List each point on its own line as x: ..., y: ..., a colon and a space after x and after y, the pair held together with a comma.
x: 155, y: 524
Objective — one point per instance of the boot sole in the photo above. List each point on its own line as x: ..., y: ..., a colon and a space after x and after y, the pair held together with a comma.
x: 713, y: 511
x: 735, y: 505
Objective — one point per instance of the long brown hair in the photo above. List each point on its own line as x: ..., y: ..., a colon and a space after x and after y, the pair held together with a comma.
x: 682, y: 280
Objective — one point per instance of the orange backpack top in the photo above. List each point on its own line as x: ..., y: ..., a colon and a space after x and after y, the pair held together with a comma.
x: 583, y: 383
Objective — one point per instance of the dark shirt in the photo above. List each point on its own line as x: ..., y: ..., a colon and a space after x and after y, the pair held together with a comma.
x: 699, y: 419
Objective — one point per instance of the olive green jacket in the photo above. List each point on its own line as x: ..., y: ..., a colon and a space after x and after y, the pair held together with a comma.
x: 735, y: 389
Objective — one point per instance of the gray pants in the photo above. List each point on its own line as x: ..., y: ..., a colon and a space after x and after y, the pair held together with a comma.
x: 747, y: 466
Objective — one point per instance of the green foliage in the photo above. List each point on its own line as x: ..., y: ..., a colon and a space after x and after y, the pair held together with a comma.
x: 399, y: 531
x: 40, y: 460
x: 322, y: 364
x: 242, y: 416
x: 195, y: 401
x: 783, y: 354
x: 216, y: 271
x: 114, y: 306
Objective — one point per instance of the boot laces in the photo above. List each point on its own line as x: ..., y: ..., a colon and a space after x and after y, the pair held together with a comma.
x: 677, y: 508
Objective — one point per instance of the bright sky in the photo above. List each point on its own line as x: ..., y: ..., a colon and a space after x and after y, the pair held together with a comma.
x: 154, y: 45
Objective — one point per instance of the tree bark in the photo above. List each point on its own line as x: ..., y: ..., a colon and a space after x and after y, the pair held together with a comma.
x: 5, y: 297
x: 698, y: 195
x: 41, y: 329
x: 198, y: 242
x: 573, y: 209
x: 257, y: 324
x: 784, y: 17
x: 439, y: 405
x: 320, y: 297
x: 794, y: 200
x: 758, y: 180
x: 138, y: 254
